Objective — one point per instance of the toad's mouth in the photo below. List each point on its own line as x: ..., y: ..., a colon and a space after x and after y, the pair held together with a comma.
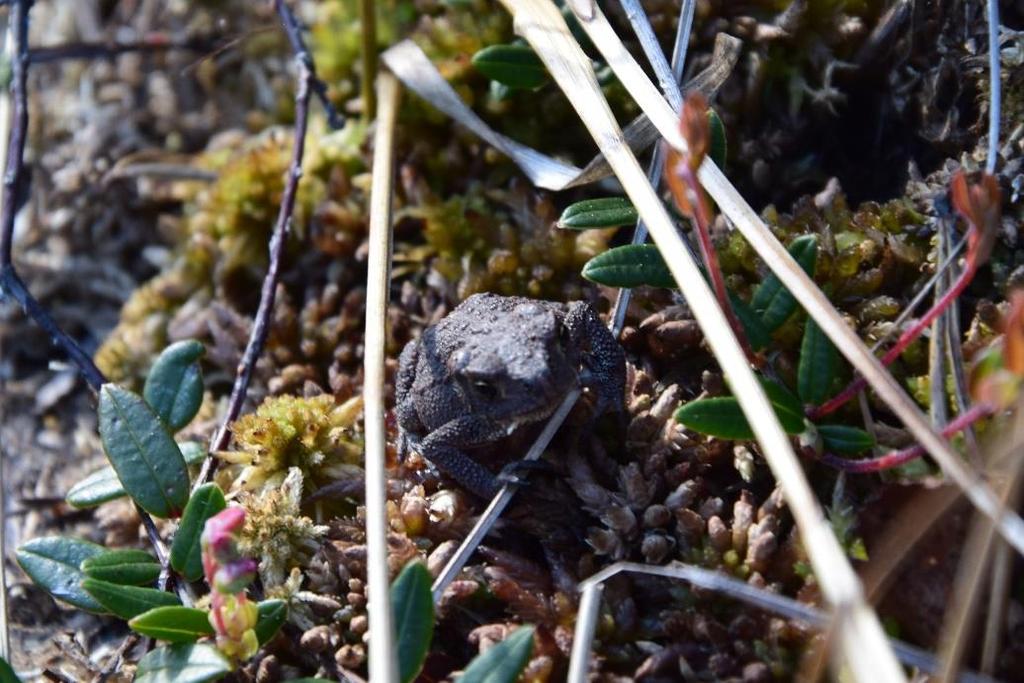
x: 541, y: 412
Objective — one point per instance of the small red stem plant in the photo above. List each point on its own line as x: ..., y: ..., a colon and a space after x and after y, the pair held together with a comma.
x: 681, y: 176
x: 996, y: 380
x: 902, y: 457
x: 979, y: 205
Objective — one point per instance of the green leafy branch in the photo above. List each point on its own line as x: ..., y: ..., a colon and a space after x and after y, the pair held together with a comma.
x: 147, y: 465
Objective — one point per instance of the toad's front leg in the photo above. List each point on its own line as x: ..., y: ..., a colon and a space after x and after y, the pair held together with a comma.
x: 443, y: 447
x: 604, y: 363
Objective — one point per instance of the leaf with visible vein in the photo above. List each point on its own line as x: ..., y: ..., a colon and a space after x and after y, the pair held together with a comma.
x: 173, y: 623
x: 54, y: 562
x: 128, y: 602
x: 142, y: 452
x: 771, y: 300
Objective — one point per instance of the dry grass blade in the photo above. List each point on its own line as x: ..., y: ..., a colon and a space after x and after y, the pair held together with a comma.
x: 998, y: 599
x: 382, y: 662
x: 726, y: 585
x: 885, y: 385
x: 654, y: 170
x: 862, y: 641
x: 968, y: 586
x: 909, y: 527
x: 803, y: 288
x: 667, y: 78
x: 937, y: 349
x: 409, y: 63
x: 5, y: 129
x: 583, y: 635
x: 412, y: 66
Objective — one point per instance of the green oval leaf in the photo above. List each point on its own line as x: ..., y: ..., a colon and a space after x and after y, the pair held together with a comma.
x: 606, y: 212
x: 845, y: 440
x: 184, y: 663
x: 7, y: 674
x: 516, y: 66
x: 145, y: 457
x: 720, y: 417
x: 99, y: 487
x: 719, y: 147
x: 186, y: 555
x: 631, y: 265
x: 272, y: 617
x: 504, y: 662
x: 54, y: 562
x: 787, y: 406
x: 127, y: 567
x: 771, y: 300
x: 175, y: 624
x: 413, y: 607
x: 174, y: 387
x: 819, y: 364
x: 103, y: 485
x: 127, y: 602
x: 723, y: 418
x: 757, y: 333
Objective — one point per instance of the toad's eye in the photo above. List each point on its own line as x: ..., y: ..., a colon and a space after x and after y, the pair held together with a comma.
x: 564, y: 336
x: 485, y: 390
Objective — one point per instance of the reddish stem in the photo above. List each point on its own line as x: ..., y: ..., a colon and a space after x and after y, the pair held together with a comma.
x: 702, y: 220
x: 908, y: 336
x: 897, y: 458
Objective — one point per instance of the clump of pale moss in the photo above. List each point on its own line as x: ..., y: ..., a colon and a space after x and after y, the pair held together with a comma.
x: 276, y: 532
x: 314, y: 435
x: 500, y: 241
x: 221, y: 243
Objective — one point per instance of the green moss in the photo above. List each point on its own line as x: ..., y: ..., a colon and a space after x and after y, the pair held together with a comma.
x: 502, y: 242
x: 314, y: 435
x: 222, y: 241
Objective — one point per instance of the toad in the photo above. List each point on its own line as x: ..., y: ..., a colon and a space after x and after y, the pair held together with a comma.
x: 493, y: 365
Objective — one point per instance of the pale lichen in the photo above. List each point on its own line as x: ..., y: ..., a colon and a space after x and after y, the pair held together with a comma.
x: 276, y: 532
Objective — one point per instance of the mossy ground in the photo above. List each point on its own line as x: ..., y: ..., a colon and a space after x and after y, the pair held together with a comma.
x: 812, y: 99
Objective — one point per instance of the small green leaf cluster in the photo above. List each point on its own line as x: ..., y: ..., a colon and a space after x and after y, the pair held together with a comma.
x: 147, y: 465
x: 413, y: 608
x: 817, y: 374
x: 515, y: 66
x: 771, y: 306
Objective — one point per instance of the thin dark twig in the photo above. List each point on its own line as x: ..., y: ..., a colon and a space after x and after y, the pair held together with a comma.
x: 307, y: 68
x: 10, y: 283
x: 261, y: 324
x: 938, y: 403
x: 955, y: 351
x: 157, y: 42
